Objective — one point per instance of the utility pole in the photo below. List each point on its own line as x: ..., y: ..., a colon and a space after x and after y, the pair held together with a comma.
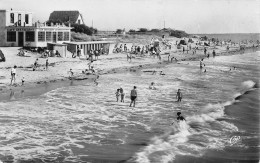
x: 92, y: 23
x: 164, y: 24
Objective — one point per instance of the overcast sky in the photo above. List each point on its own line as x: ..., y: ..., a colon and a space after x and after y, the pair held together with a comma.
x: 192, y: 16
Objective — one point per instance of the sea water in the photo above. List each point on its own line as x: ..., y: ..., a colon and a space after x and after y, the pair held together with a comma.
x: 84, y: 123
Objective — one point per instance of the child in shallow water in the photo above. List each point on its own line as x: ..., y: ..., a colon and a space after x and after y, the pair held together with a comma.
x: 122, y: 95
x: 152, y: 86
x: 117, y: 94
x: 179, y: 95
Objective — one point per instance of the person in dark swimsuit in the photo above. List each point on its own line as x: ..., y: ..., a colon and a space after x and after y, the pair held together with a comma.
x: 180, y: 118
x: 133, y: 96
x: 179, y: 95
x: 214, y: 53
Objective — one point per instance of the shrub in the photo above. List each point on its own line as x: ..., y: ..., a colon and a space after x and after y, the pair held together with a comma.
x: 178, y: 33
x: 155, y: 30
x: 143, y: 30
x: 82, y: 28
x: 119, y: 31
x: 132, y: 30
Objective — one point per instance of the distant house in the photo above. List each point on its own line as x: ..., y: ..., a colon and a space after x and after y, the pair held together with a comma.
x: 73, y: 17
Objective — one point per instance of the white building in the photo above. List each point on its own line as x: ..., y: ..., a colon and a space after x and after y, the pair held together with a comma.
x: 17, y: 29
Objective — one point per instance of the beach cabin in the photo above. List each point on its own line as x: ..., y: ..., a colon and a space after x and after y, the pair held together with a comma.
x: 17, y: 29
x: 85, y: 47
x: 61, y: 48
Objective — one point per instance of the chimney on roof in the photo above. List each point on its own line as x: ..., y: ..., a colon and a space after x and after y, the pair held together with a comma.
x: 11, y: 9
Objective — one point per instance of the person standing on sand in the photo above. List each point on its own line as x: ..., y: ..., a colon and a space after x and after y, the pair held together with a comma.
x: 78, y: 51
x: 214, y: 53
x: 89, y: 64
x: 47, y: 64
x: 128, y: 57
x: 35, y: 64
x: 13, y: 73
x: 133, y: 96
x: 70, y: 73
x: 205, y: 51
x: 201, y: 63
x: 91, y: 55
x: 23, y: 80
x: 179, y: 95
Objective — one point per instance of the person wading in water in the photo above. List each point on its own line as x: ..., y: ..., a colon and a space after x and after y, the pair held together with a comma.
x: 179, y: 95
x: 133, y: 96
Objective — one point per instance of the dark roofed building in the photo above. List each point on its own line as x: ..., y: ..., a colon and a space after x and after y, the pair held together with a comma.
x: 73, y: 17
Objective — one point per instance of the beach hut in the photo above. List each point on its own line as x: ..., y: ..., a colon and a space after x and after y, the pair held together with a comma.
x: 61, y: 48
x: 85, y: 47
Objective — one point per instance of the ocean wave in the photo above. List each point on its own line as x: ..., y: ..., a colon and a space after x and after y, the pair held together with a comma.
x: 248, y: 84
x: 192, y: 137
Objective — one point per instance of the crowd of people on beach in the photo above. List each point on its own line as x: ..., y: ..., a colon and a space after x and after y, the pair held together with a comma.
x: 153, y: 49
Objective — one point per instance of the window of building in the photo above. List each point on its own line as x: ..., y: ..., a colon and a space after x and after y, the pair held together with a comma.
x: 41, y: 36
x: 11, y: 36
x: 60, y: 36
x: 48, y: 36
x: 26, y: 18
x: 11, y: 17
x: 78, y: 21
x: 54, y: 38
x: 29, y: 36
x: 19, y: 19
x: 66, y: 36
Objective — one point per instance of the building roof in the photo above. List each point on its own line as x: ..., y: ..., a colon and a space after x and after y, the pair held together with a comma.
x: 56, y: 44
x: 16, y: 11
x: 90, y: 42
x: 40, y: 27
x: 64, y: 16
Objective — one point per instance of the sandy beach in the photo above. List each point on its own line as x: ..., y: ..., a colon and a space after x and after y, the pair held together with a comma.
x: 106, y: 64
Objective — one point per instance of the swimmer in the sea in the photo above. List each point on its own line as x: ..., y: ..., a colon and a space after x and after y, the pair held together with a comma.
x: 161, y: 73
x: 180, y: 118
x: 152, y: 86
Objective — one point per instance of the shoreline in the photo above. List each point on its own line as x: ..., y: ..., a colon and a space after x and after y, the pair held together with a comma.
x: 36, y: 88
